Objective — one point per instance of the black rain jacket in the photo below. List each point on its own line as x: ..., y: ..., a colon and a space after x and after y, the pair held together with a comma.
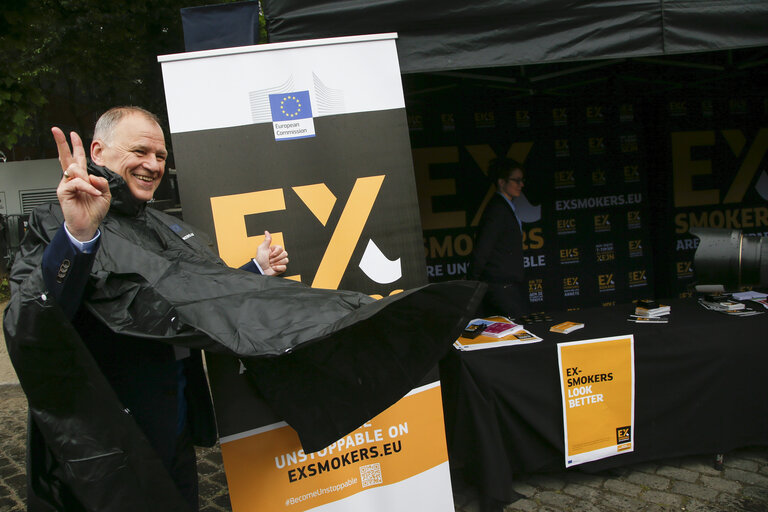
x: 326, y: 360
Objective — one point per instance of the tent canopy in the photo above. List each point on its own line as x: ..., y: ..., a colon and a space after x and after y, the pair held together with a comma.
x: 456, y: 34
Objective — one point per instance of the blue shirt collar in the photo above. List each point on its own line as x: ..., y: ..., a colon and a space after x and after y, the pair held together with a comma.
x: 509, y: 202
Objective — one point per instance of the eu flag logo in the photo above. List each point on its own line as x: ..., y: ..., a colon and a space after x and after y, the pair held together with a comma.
x: 290, y: 106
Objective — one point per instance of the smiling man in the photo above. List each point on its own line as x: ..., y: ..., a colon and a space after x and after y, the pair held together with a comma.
x: 160, y: 386
x: 136, y: 151
x: 112, y: 301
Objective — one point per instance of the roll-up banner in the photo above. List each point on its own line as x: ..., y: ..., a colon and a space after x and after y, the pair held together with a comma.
x: 309, y: 140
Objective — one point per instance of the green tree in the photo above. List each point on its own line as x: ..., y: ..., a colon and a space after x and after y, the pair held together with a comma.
x: 66, y: 61
x: 21, y: 68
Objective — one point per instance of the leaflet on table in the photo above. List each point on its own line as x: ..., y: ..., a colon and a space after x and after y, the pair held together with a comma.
x: 729, y: 307
x: 750, y: 295
x: 647, y: 319
x: 650, y: 312
x: 496, y: 326
x: 566, y: 327
x: 651, y: 308
x: 721, y: 303
x: 521, y: 337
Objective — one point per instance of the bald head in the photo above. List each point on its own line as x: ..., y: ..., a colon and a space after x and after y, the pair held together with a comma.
x: 105, y: 126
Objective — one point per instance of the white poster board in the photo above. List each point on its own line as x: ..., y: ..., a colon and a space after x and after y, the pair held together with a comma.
x: 310, y: 141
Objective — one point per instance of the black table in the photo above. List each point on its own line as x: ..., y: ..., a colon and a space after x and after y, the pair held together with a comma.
x: 700, y: 388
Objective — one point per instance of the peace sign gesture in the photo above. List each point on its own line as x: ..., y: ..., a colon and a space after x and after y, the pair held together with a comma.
x: 84, y: 198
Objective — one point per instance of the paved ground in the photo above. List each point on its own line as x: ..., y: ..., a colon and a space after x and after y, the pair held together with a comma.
x: 690, y: 484
x: 7, y: 375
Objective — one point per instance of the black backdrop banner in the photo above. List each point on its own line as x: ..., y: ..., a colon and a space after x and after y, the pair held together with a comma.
x: 584, y: 206
x: 718, y: 153
x: 613, y: 185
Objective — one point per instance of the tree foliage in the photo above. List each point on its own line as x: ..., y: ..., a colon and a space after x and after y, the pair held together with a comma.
x: 66, y: 61
x: 20, y: 69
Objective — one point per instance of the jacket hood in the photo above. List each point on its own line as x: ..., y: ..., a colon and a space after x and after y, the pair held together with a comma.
x: 122, y: 199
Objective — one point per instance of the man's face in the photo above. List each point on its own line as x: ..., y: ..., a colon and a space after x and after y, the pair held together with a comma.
x: 137, y: 153
x: 512, y: 187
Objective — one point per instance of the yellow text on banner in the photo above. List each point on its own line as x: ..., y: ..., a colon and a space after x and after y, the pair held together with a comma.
x: 269, y: 472
x: 598, y: 388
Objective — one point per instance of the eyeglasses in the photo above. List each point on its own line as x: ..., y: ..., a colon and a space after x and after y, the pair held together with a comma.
x: 519, y: 181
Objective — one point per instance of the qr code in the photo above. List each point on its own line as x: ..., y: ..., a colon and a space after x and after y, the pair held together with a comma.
x: 371, y: 475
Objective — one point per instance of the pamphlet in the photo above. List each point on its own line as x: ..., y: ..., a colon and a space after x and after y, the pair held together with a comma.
x: 753, y: 295
x: 514, y: 334
x: 720, y: 302
x: 647, y: 320
x: 566, y: 327
x: 496, y: 326
x: 501, y: 329
x: 651, y: 308
x: 648, y: 311
x: 521, y: 337
x: 728, y: 307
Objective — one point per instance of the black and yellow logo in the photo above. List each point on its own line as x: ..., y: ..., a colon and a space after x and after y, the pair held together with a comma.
x: 560, y: 116
x: 571, y: 286
x: 566, y: 226
x: 485, y: 119
x: 690, y: 171
x: 236, y: 246
x: 598, y: 177
x: 637, y: 278
x: 606, y: 283
x: 596, y: 145
x: 595, y: 114
x: 522, y: 118
x: 631, y: 173
x: 623, y: 435
x: 565, y: 179
x: 602, y: 223
x: 684, y: 269
x: 568, y: 256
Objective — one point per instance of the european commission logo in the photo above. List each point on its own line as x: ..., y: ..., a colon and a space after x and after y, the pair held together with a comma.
x: 292, y: 115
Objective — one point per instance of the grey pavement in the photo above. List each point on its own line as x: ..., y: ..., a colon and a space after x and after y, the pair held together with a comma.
x: 690, y: 483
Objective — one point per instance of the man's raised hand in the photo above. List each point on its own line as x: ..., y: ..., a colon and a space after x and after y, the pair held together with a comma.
x: 84, y: 198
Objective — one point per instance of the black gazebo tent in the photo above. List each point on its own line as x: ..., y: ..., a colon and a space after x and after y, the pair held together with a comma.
x: 455, y: 34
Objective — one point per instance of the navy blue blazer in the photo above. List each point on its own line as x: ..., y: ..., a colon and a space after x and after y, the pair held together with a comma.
x: 66, y: 271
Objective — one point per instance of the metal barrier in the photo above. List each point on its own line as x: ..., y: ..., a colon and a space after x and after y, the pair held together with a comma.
x: 12, y: 230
